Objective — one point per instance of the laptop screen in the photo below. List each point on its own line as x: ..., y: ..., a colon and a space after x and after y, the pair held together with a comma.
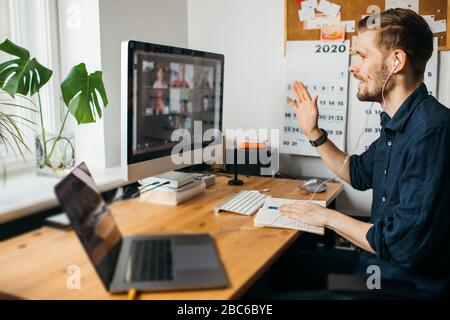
x: 92, y: 220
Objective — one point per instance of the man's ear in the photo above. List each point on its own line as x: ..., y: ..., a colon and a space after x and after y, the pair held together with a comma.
x: 400, y: 60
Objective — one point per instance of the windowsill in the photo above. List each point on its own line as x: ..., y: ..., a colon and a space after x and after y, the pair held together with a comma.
x: 26, y: 193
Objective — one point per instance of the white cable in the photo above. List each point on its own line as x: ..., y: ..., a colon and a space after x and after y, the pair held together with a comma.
x: 357, y: 143
x: 343, y: 165
x: 362, y: 133
x: 384, y: 86
x: 348, y: 156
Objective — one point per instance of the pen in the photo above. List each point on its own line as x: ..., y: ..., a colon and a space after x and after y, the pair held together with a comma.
x: 272, y: 207
x: 132, y: 293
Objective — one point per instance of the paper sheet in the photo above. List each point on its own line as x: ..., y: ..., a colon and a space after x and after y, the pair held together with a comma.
x: 328, y: 8
x: 321, y: 20
x: 306, y: 14
x: 405, y: 4
x: 309, y: 4
x: 440, y: 26
x: 350, y: 25
x: 430, y: 20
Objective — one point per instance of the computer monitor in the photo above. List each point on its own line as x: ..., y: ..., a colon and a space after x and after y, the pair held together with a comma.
x: 168, y: 89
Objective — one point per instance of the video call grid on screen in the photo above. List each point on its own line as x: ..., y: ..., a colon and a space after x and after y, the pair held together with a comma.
x: 171, y: 92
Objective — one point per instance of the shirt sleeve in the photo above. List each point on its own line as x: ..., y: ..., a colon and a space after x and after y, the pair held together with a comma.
x: 361, y: 168
x: 414, y: 227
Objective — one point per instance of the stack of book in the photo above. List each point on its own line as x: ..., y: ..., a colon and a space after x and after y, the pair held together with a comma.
x: 180, y: 189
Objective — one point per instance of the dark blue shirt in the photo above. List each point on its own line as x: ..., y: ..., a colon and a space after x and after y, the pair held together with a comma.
x: 408, y: 169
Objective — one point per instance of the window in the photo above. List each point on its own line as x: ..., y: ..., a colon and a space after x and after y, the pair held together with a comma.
x: 34, y: 26
x: 4, y: 19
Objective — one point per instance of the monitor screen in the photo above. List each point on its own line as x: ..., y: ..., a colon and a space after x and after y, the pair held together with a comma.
x: 170, y: 88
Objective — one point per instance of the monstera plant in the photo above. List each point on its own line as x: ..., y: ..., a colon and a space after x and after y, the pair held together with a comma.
x: 81, y: 92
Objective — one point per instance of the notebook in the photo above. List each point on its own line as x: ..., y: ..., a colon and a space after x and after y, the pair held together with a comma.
x: 269, y: 216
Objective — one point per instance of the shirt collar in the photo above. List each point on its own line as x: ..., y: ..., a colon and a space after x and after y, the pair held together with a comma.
x: 397, y: 122
x: 384, y: 118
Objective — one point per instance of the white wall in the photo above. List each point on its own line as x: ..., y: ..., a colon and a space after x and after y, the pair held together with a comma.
x: 79, y: 37
x: 146, y: 20
x: 91, y: 31
x: 251, y: 35
x: 251, y: 41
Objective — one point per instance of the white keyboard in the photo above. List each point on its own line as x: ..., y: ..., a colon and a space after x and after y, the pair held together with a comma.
x: 267, y: 217
x: 245, y: 202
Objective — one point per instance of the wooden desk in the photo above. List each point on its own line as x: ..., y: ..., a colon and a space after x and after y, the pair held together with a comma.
x: 34, y: 265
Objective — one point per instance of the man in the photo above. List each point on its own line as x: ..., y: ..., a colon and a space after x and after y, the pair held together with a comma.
x: 407, y: 167
x: 159, y: 106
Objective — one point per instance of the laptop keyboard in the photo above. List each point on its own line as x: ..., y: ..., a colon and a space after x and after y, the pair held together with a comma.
x: 150, y: 260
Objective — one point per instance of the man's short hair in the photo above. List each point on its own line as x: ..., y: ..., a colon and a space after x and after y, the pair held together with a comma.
x: 406, y: 30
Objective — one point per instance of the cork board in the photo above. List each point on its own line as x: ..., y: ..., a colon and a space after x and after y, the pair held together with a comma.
x: 354, y: 9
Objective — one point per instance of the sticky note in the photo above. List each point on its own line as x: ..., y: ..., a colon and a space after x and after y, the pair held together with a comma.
x: 323, y: 5
x: 306, y: 14
x: 309, y: 4
x: 319, y: 21
x: 440, y: 26
x: 430, y: 20
x: 404, y: 4
x: 329, y: 8
x: 333, y: 9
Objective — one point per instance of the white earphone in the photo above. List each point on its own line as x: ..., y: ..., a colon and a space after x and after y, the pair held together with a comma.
x: 396, y: 63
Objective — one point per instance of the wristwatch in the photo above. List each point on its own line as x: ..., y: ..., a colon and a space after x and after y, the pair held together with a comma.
x: 321, y: 140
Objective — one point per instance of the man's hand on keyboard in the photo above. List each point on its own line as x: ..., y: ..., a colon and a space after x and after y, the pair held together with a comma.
x: 306, y: 212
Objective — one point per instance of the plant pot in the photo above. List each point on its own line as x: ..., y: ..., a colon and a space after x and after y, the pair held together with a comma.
x: 57, y: 157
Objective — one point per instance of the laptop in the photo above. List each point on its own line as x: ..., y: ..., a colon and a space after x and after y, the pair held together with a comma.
x: 144, y: 262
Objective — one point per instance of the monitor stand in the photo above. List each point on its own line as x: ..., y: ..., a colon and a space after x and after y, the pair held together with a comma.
x: 235, y: 181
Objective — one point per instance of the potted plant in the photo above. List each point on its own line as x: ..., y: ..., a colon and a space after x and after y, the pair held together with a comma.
x: 11, y: 136
x: 81, y: 92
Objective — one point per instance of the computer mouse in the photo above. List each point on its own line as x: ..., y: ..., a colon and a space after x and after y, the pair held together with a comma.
x: 313, y: 185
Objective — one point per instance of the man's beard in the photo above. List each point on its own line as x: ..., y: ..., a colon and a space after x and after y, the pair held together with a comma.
x: 374, y: 94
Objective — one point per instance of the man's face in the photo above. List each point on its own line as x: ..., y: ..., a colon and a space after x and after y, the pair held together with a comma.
x: 158, y: 99
x: 370, y: 68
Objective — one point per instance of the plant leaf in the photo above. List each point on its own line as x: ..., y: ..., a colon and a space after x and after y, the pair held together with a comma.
x: 11, y: 133
x: 22, y: 75
x: 80, y: 90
